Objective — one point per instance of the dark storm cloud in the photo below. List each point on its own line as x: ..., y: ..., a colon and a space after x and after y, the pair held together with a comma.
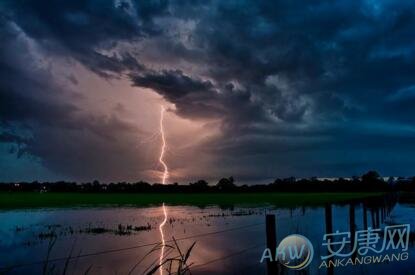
x: 193, y: 97
x: 18, y: 104
x: 335, y: 62
x: 81, y: 29
x: 173, y: 84
x: 11, y: 138
x: 44, y: 121
x: 23, y: 93
x: 67, y: 141
x: 307, y: 79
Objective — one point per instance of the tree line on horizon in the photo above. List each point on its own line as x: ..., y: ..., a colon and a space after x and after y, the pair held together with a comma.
x: 369, y: 182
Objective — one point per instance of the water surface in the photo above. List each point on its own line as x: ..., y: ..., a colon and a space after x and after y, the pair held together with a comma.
x: 229, y: 240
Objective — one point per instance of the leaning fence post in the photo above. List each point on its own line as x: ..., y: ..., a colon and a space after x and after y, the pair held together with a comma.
x: 352, y: 224
x: 329, y: 229
x: 377, y: 218
x: 271, y: 231
x: 364, y: 209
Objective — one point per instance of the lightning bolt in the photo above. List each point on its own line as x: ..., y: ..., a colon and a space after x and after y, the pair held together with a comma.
x: 164, y: 178
x: 163, y: 147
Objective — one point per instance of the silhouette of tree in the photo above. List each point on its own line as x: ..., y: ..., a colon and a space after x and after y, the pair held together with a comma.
x: 369, y: 182
x: 226, y: 184
x: 200, y: 185
x: 371, y: 177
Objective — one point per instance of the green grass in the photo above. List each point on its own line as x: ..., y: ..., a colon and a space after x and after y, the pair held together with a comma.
x: 49, y: 200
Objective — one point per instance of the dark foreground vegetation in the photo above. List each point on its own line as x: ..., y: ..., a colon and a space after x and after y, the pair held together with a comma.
x: 369, y: 182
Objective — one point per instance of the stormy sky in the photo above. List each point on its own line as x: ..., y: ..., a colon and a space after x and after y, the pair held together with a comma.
x: 254, y: 89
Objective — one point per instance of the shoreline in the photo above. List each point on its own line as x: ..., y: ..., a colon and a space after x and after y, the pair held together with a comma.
x: 19, y: 200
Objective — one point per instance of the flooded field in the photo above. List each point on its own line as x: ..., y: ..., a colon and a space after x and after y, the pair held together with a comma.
x: 228, y: 239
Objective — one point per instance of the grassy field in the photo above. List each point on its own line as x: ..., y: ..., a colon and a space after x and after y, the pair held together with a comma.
x: 46, y: 200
